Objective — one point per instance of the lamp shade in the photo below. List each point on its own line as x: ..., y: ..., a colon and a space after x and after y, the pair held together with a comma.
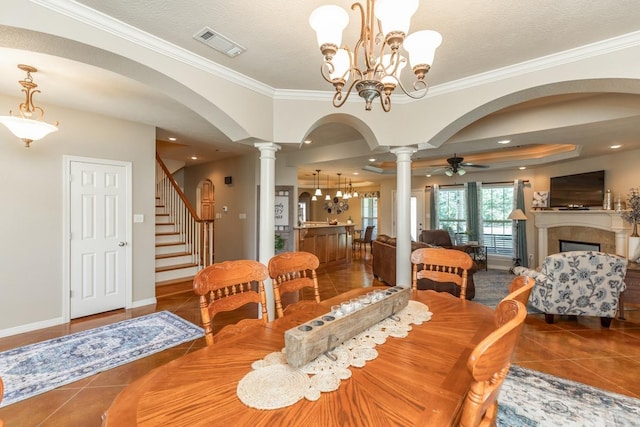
x: 341, y: 65
x: 27, y: 129
x: 328, y: 22
x: 517, y: 215
x: 422, y: 46
x: 395, y: 15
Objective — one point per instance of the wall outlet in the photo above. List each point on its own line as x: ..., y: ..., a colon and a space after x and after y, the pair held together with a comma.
x: 530, y: 260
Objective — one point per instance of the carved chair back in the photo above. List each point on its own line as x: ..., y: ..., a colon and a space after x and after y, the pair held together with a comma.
x: 292, y: 272
x: 441, y: 265
x: 227, y: 286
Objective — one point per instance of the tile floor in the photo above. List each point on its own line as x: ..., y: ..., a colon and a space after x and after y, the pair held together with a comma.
x: 579, y: 350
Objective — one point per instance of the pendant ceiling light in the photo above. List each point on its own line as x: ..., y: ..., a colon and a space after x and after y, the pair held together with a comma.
x: 318, y: 190
x: 327, y: 196
x: 29, y: 125
x: 375, y: 63
x: 314, y: 197
x: 339, y: 193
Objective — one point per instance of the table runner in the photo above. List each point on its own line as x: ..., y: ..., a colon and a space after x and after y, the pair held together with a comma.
x: 274, y: 384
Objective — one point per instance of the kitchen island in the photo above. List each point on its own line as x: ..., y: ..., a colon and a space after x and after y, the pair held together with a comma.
x: 331, y: 243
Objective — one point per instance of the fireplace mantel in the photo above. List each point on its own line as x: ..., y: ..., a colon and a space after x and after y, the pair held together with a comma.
x: 601, y: 219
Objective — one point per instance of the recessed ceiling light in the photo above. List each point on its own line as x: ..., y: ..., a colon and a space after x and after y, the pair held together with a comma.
x: 615, y: 146
x: 171, y: 138
x: 307, y: 141
x: 504, y: 141
x: 372, y: 159
x: 522, y: 168
x: 194, y: 157
x: 428, y: 175
x: 356, y: 173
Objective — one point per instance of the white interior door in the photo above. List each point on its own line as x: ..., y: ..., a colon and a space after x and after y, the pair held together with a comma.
x: 417, y: 213
x: 98, y: 230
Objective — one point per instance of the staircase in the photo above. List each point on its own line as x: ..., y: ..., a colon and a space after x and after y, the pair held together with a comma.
x: 184, y: 242
x: 174, y: 263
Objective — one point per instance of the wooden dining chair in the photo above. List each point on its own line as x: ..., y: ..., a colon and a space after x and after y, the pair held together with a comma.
x: 292, y: 272
x: 227, y: 286
x: 366, y: 239
x: 520, y: 289
x: 489, y: 364
x: 441, y: 265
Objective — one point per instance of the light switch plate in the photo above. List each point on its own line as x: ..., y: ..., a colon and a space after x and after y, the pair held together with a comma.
x: 138, y: 218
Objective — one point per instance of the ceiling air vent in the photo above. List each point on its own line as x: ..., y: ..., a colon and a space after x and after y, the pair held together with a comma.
x: 219, y: 42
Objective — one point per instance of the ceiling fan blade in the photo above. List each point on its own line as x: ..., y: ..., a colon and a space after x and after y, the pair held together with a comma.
x: 473, y: 165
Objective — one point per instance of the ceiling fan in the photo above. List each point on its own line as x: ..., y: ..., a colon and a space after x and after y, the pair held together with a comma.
x: 457, y: 165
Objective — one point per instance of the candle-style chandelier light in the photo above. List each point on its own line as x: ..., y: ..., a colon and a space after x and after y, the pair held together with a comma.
x: 375, y: 64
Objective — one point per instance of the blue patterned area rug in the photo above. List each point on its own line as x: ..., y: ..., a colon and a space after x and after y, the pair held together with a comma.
x: 492, y: 286
x: 531, y: 398
x: 37, y: 368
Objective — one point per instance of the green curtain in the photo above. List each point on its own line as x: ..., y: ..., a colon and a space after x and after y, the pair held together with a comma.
x: 473, y: 211
x: 433, y: 208
x: 521, y: 237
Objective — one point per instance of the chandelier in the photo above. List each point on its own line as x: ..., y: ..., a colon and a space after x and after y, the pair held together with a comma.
x: 375, y: 64
x: 24, y: 126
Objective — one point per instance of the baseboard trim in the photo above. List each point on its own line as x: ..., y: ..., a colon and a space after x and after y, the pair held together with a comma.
x: 143, y: 302
x: 31, y: 327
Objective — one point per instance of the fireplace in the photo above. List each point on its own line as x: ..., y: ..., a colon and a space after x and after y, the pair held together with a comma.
x: 606, y: 228
x: 573, y: 245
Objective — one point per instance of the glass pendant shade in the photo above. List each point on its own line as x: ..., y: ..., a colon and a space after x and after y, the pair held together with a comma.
x: 395, y: 15
x: 341, y: 65
x: 328, y: 22
x: 422, y: 46
x: 327, y: 197
x: 461, y: 172
x: 27, y: 129
x: 318, y: 192
x: 314, y: 198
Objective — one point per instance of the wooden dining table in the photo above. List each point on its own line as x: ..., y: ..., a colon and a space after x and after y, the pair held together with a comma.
x: 419, y: 380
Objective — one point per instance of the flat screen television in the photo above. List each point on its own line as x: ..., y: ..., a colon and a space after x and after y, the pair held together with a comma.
x: 576, y: 191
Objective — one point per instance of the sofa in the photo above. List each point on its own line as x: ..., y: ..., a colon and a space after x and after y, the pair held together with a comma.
x: 384, y: 267
x: 441, y: 239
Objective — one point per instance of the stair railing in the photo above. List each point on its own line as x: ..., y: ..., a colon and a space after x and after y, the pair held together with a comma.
x: 196, y: 233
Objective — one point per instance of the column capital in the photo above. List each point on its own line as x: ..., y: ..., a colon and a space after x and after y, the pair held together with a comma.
x: 403, y: 153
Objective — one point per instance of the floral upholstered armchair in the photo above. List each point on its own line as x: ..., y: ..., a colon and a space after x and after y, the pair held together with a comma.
x: 578, y: 283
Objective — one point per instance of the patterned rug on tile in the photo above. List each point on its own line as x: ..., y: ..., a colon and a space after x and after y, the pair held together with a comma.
x: 531, y: 398
x: 37, y: 368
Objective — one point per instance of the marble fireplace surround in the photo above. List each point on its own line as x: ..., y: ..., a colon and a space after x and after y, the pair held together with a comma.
x: 595, y: 226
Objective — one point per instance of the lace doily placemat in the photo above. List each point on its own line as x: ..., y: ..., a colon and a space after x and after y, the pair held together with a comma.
x: 274, y: 384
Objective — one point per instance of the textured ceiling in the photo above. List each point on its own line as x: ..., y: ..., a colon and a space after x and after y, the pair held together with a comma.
x: 479, y: 37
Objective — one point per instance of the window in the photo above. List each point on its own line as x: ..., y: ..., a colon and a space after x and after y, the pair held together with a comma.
x: 452, y: 210
x: 370, y: 213
x: 497, y: 228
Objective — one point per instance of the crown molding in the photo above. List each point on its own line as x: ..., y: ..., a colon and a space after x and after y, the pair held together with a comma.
x: 127, y: 32
x: 101, y: 21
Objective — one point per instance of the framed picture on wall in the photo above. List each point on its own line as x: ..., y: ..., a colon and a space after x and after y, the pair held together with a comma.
x: 540, y: 199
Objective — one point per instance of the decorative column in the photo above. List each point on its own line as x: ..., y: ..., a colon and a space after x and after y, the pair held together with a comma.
x: 403, y: 218
x: 266, y: 237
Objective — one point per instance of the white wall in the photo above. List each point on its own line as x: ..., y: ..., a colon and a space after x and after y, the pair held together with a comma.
x: 235, y: 238
x: 31, y: 220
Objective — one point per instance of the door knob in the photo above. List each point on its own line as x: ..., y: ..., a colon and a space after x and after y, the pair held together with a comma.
x: 122, y: 244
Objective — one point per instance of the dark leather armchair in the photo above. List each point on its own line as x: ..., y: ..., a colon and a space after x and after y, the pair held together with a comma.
x: 441, y: 239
